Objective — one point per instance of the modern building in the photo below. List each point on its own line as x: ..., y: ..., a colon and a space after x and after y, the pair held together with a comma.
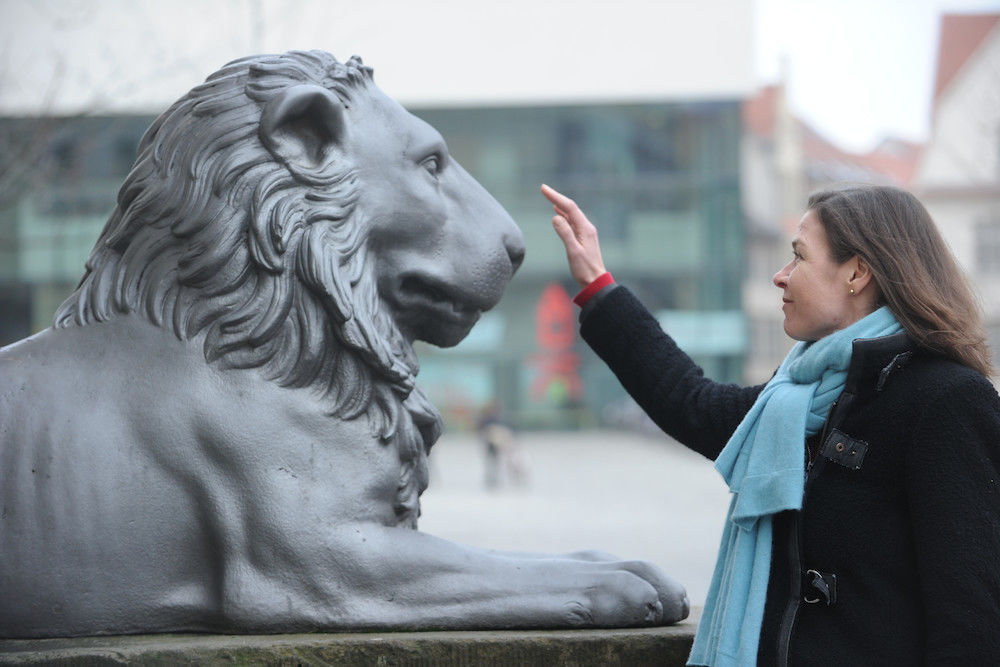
x: 58, y: 185
x: 638, y: 118
x: 661, y: 180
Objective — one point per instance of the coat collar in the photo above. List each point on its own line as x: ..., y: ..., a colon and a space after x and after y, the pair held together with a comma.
x: 873, y: 360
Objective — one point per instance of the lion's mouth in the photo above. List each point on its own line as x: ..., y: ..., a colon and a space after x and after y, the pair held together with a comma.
x: 432, y: 311
x: 418, y: 291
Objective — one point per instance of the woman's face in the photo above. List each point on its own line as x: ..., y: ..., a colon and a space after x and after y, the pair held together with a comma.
x: 816, y: 290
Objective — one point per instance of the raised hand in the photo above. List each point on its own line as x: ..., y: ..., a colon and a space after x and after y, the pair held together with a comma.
x: 579, y: 235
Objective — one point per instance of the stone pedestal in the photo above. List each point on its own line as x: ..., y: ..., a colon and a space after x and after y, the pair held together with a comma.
x: 580, y: 648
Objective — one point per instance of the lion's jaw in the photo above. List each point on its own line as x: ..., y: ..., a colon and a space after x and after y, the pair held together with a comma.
x: 433, y: 303
x: 445, y: 248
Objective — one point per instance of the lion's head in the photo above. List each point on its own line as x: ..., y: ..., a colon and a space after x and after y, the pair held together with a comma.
x: 306, y: 225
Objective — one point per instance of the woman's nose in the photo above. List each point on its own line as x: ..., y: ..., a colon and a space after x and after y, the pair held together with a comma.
x: 781, y: 277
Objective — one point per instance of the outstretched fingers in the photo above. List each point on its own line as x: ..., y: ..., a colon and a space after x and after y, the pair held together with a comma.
x: 558, y: 199
x: 579, y: 235
x: 567, y: 210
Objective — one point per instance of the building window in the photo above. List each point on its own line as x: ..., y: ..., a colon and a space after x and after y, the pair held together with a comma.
x: 988, y: 245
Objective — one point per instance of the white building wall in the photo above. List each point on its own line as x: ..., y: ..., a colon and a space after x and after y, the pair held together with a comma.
x: 767, y: 245
x: 759, y: 182
x: 958, y: 176
x: 964, y: 149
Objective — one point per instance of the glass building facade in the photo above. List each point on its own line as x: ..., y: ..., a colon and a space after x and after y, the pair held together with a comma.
x: 58, y: 181
x: 660, y: 180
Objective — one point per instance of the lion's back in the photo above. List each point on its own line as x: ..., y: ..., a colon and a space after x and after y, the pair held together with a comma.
x: 81, y: 491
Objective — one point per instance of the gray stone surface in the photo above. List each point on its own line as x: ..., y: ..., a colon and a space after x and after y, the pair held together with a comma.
x: 638, y: 495
x: 665, y: 646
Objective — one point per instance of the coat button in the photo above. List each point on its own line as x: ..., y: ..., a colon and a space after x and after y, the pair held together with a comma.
x: 840, y: 446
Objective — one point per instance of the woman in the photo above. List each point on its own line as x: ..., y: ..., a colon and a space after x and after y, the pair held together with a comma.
x: 864, y: 527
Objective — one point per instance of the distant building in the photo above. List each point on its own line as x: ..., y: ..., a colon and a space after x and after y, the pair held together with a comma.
x: 783, y: 160
x: 958, y: 174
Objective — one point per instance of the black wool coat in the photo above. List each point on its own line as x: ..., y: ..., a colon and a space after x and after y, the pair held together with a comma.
x: 894, y: 558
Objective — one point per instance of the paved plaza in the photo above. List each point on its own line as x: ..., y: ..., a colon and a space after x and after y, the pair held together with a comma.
x: 637, y: 496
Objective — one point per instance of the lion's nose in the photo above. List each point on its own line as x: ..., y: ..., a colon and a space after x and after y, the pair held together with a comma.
x: 515, y: 249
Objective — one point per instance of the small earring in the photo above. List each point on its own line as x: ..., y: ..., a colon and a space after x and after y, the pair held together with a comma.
x: 852, y: 291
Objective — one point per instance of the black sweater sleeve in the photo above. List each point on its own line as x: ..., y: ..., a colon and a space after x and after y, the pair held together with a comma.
x: 664, y: 381
x: 953, y: 485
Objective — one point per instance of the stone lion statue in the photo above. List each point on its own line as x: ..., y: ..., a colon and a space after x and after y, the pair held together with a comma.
x: 222, y: 431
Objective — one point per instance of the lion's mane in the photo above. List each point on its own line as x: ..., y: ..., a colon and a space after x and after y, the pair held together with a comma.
x: 211, y: 235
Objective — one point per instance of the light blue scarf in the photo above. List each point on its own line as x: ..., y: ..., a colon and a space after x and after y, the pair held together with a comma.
x: 764, y: 465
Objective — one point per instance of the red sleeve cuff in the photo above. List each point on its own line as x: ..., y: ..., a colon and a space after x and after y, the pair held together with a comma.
x: 593, y: 288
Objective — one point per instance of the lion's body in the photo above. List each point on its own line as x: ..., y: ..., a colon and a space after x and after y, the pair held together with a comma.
x: 171, y: 491
x: 222, y: 431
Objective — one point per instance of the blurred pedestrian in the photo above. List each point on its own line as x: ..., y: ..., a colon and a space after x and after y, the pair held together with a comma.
x: 864, y: 527
x: 502, y: 454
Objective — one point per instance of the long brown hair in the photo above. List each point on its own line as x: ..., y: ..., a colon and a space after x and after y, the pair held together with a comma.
x: 916, y: 274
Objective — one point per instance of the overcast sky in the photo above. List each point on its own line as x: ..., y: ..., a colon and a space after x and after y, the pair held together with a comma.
x: 857, y: 70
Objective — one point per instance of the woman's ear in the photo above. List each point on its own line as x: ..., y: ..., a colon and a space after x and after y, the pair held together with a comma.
x: 860, y: 276
x: 303, y: 126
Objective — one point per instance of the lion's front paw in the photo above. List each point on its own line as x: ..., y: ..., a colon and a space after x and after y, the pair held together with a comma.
x: 672, y: 595
x: 578, y: 614
x: 620, y: 599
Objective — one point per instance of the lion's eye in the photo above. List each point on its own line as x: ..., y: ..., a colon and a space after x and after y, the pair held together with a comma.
x: 432, y: 163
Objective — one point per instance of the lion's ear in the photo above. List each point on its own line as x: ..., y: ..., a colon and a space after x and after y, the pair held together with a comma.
x: 302, y: 126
